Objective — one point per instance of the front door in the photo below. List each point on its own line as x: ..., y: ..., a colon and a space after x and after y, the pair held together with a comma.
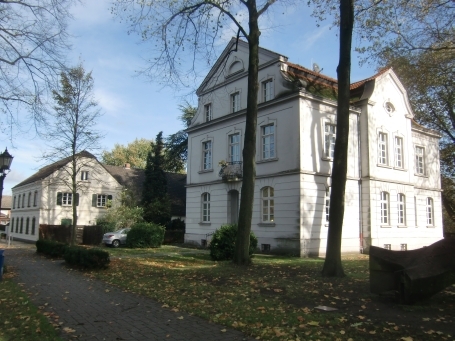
x: 233, y: 207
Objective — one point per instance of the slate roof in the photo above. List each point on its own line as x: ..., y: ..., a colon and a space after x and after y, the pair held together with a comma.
x: 49, y: 169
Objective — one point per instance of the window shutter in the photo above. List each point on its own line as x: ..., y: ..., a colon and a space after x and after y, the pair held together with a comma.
x: 59, y: 198
x: 77, y: 199
x: 94, y: 197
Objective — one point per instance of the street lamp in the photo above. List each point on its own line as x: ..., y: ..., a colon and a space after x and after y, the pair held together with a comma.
x: 5, y: 162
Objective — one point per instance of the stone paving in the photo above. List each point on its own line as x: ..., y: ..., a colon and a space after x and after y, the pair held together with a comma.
x: 98, y: 311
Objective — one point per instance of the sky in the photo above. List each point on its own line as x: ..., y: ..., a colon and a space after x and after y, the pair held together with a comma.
x: 136, y: 107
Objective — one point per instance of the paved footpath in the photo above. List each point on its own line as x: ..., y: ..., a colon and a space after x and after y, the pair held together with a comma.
x: 99, y: 311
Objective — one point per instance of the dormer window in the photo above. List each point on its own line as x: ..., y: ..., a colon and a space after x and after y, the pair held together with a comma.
x: 208, y: 112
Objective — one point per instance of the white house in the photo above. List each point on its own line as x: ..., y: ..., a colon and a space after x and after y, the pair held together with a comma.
x: 393, y: 189
x: 45, y: 198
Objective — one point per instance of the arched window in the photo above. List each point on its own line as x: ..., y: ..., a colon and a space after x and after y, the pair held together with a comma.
x: 17, y: 225
x: 205, y: 207
x: 401, y: 209
x: 385, y: 208
x: 268, y: 204
x: 22, y: 223
x: 27, y: 225
x: 430, y: 219
x: 33, y: 225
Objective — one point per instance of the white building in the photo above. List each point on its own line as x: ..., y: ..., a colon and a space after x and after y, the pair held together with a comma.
x: 393, y: 189
x: 45, y: 198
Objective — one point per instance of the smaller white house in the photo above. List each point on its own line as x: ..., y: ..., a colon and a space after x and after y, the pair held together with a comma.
x: 45, y: 197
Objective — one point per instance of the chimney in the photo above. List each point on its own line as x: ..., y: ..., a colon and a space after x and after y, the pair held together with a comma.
x: 127, y: 166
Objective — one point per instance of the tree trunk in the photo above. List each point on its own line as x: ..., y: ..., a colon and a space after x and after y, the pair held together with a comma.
x: 74, y: 197
x: 241, y: 255
x: 332, y: 265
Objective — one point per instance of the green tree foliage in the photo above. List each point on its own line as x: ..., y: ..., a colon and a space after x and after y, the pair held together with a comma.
x: 32, y: 46
x: 155, y: 200
x: 72, y: 131
x: 182, y: 28
x: 135, y: 153
x: 176, y: 153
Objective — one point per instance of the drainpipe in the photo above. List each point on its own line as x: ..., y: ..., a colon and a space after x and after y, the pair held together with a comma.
x: 360, y: 185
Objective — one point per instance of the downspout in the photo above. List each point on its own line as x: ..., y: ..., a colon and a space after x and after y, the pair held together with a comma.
x: 360, y: 184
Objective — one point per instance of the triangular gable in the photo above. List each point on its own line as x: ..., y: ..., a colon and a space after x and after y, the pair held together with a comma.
x: 233, y: 61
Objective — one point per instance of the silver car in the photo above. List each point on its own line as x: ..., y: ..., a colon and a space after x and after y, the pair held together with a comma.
x: 116, y: 238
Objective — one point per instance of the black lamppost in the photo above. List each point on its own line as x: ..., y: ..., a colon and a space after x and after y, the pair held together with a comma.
x: 5, y: 162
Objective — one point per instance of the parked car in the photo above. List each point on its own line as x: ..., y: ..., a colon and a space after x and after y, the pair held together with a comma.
x: 116, y: 238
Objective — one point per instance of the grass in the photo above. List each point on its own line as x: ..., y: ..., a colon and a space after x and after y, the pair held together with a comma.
x: 19, y: 318
x: 276, y: 297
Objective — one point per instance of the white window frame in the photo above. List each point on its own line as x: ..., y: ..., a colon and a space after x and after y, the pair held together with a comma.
x: 329, y: 139
x: 401, y: 209
x: 429, y: 211
x: 101, y: 200
x: 235, y: 101
x: 383, y: 153
x: 268, y: 92
x: 268, y: 145
x: 234, y: 147
x: 207, y: 155
x: 419, y: 160
x: 399, y: 162
x: 84, y: 175
x: 385, y: 208
x: 267, y: 205
x: 205, y: 207
x: 208, y: 115
x: 67, y: 199
x: 327, y: 204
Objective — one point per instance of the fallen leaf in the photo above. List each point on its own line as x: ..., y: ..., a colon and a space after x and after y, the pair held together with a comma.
x: 68, y: 330
x: 407, y: 338
x: 180, y: 317
x: 223, y: 330
x: 313, y: 323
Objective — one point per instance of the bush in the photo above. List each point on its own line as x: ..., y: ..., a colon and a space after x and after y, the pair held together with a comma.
x: 222, y: 245
x: 51, y: 248
x: 86, y: 258
x: 143, y: 235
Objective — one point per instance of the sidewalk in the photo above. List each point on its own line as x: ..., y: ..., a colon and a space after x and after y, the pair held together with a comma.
x: 98, y: 311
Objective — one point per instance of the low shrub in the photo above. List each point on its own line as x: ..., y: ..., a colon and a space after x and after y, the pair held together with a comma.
x: 222, y: 245
x: 86, y: 258
x: 143, y: 235
x: 51, y: 248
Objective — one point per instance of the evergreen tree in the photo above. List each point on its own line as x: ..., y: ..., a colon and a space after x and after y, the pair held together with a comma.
x: 155, y: 200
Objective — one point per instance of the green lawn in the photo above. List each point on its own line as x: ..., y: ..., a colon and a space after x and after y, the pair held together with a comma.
x: 276, y: 297
x: 20, y: 319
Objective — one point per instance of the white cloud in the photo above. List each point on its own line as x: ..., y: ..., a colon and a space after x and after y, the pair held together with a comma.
x: 92, y: 12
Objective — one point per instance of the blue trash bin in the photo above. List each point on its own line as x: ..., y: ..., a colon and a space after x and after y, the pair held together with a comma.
x: 2, y: 258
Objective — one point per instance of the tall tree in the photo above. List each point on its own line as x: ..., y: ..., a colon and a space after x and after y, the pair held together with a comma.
x: 135, y: 153
x: 177, y: 144
x: 72, y: 131
x: 155, y: 200
x: 332, y: 264
x: 185, y: 27
x: 32, y: 45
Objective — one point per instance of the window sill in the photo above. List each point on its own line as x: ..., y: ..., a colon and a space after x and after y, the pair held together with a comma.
x: 400, y: 169
x: 386, y: 226
x: 383, y: 166
x: 206, y: 171
x: 402, y: 226
x: 326, y: 158
x: 430, y: 226
x: 267, y: 224
x: 267, y: 160
x: 421, y: 175
x: 205, y: 223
